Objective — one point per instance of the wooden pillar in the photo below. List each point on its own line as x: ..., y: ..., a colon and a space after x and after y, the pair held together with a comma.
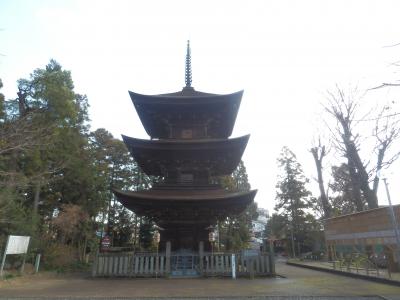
x: 250, y: 265
x: 168, y: 257
x: 95, y: 264
x: 201, y: 255
x: 272, y: 257
x: 390, y: 253
x: 265, y: 246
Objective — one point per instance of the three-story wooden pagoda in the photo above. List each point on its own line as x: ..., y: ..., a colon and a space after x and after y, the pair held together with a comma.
x: 188, y: 149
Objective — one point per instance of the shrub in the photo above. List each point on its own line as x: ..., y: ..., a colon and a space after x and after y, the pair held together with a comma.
x: 58, y: 256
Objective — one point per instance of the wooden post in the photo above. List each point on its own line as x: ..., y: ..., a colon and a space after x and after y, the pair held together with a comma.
x: 37, y: 262
x: 271, y: 257
x: 201, y: 255
x: 389, y: 267
x: 3, y: 261
x: 250, y: 263
x: 157, y: 263
x: 265, y: 245
x: 95, y: 264
x: 168, y: 258
x: 23, y: 264
x: 233, y: 266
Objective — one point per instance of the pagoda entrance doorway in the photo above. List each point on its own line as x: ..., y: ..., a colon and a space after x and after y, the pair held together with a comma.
x: 184, y: 238
x: 185, y: 263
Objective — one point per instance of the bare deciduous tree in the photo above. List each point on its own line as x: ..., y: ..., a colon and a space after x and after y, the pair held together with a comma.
x: 343, y: 108
x: 319, y: 152
x: 386, y: 132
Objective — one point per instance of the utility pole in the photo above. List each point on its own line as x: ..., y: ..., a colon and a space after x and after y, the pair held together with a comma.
x: 394, y: 223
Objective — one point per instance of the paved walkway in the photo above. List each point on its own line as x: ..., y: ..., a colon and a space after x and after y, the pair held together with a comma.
x: 299, y: 282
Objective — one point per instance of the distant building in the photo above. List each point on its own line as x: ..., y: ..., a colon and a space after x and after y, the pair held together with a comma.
x: 370, y: 232
x: 258, y: 227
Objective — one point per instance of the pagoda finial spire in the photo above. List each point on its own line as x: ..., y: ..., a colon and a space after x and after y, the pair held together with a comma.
x: 188, y: 68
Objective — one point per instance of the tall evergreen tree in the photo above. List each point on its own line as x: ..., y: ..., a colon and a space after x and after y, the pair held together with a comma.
x: 2, y: 104
x: 235, y: 231
x: 54, y: 170
x: 116, y: 169
x: 44, y: 161
x: 293, y: 198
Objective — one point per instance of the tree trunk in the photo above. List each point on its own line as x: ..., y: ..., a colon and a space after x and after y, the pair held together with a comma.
x: 355, y: 160
x: 82, y: 249
x: 356, y: 191
x: 362, y: 174
x: 12, y: 181
x: 135, y: 233
x: 36, y: 198
x: 381, y: 154
x: 318, y: 163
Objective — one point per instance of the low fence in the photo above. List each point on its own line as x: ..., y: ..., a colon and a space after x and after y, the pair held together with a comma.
x: 129, y: 265
x: 162, y: 265
x: 373, y: 265
x: 221, y: 265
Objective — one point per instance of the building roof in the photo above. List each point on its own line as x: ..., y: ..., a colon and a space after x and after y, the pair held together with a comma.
x: 367, y: 211
x: 373, y: 226
x: 157, y: 112
x: 219, y: 156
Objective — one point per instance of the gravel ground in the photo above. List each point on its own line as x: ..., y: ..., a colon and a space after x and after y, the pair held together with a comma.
x: 213, y: 298
x: 298, y: 282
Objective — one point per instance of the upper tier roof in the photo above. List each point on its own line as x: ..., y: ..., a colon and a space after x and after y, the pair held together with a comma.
x: 158, y: 113
x: 220, y: 156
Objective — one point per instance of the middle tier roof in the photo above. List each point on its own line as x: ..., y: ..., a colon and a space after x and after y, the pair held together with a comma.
x: 218, y: 156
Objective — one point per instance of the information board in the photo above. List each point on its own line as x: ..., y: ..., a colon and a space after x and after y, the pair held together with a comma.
x: 17, y: 244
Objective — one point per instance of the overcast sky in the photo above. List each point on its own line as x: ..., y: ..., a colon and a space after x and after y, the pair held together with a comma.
x: 284, y: 54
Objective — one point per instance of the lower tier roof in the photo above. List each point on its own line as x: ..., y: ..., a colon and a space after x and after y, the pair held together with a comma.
x: 185, y: 206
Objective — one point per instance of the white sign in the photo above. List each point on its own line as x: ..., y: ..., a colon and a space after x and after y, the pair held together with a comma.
x: 17, y: 244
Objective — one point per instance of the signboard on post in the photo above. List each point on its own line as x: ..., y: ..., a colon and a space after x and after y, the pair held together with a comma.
x: 105, y: 243
x: 15, y: 245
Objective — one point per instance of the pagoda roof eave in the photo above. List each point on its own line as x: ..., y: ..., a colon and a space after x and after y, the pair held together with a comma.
x: 188, y: 196
x: 222, y: 156
x: 183, y: 98
x: 190, y: 206
x: 156, y: 111
x: 185, y: 143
